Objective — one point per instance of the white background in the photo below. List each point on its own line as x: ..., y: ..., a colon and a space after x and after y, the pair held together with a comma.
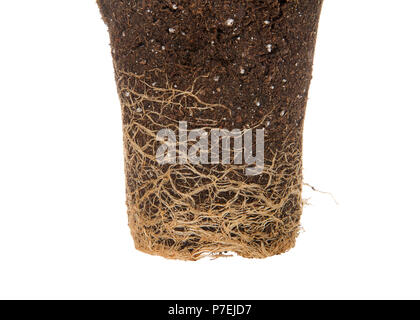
x: 63, y: 226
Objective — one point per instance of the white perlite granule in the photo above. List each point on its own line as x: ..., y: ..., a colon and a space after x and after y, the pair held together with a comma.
x: 229, y: 22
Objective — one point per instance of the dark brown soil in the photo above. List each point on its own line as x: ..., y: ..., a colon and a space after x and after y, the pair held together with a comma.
x: 239, y: 64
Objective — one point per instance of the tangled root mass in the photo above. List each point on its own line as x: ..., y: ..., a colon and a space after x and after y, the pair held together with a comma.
x: 186, y: 211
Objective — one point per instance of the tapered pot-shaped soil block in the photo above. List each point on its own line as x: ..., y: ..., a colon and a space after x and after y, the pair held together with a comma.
x: 213, y: 97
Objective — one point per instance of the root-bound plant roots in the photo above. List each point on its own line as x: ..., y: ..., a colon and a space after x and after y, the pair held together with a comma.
x: 219, y: 64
